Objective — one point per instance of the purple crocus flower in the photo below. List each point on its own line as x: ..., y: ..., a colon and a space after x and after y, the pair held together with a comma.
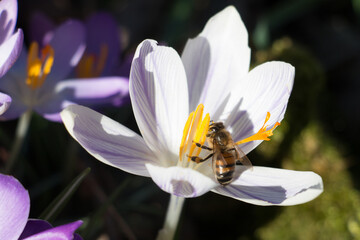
x: 14, y: 213
x: 169, y: 94
x: 10, y: 43
x: 38, y: 81
x: 102, y: 53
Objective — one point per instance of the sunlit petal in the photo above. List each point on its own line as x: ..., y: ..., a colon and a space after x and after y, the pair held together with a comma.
x: 272, y: 186
x: 265, y: 89
x: 14, y: 207
x: 107, y: 140
x: 216, y: 59
x: 182, y: 182
x: 159, y: 96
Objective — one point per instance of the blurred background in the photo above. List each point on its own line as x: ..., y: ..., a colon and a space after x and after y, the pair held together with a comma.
x: 321, y: 38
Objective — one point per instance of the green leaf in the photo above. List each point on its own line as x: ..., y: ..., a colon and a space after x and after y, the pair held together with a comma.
x: 59, y: 202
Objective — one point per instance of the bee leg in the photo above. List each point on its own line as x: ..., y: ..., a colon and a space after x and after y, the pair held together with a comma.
x: 199, y: 159
x: 202, y: 146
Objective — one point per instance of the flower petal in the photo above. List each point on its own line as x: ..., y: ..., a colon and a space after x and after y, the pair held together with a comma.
x: 8, y: 17
x: 101, y: 28
x: 68, y: 42
x: 272, y: 186
x: 10, y: 50
x: 265, y: 89
x: 14, y: 207
x: 158, y: 92
x: 182, y: 182
x: 34, y: 226
x: 107, y: 140
x: 5, y: 101
x: 94, y: 91
x: 65, y: 231
x: 220, y: 54
x: 90, y: 92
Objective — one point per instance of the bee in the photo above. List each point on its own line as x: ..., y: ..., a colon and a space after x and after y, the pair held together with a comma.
x: 224, y: 152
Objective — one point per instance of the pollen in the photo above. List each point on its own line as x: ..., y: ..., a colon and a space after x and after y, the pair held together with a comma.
x: 195, y: 130
x: 262, y: 134
x: 38, y: 68
x: 92, y: 65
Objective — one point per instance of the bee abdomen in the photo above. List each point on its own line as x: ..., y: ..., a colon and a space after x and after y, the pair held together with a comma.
x: 224, y: 172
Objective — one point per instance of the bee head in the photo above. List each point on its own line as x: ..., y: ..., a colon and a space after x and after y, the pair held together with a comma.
x: 215, y: 127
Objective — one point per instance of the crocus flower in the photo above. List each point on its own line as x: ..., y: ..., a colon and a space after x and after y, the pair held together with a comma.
x: 213, y: 74
x: 14, y: 213
x: 37, y: 81
x: 102, y: 47
x: 10, y: 44
x: 100, y: 60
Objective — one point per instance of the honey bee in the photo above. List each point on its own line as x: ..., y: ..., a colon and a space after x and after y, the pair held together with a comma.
x: 225, y: 153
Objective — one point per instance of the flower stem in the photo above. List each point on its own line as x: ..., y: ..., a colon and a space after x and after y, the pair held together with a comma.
x: 21, y: 131
x: 172, y: 218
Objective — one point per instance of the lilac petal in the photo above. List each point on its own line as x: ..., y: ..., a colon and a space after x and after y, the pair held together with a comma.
x: 65, y: 231
x: 101, y: 28
x: 272, y: 186
x: 52, y: 108
x: 14, y: 207
x: 159, y: 96
x: 8, y: 17
x: 10, y: 50
x: 91, y: 92
x: 68, y: 42
x: 5, y: 101
x: 41, y: 28
x: 182, y: 182
x: 107, y: 140
x: 94, y: 91
x: 216, y: 59
x: 34, y: 226
x: 265, y: 89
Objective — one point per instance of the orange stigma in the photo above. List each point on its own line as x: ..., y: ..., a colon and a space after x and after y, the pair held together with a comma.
x: 262, y: 134
x: 38, y: 67
x: 91, y: 65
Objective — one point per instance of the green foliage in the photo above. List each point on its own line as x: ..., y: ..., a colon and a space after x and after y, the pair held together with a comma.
x: 302, y: 143
x: 335, y: 214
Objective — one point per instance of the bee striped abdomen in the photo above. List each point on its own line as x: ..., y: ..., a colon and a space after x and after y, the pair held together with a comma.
x: 224, y: 168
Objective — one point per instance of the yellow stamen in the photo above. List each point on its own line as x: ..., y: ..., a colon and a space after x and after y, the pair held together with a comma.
x: 195, y: 131
x: 262, y: 134
x: 91, y: 65
x: 39, y: 68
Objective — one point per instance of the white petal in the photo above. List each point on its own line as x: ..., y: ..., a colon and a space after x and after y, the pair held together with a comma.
x: 159, y: 96
x: 272, y: 186
x: 216, y: 59
x: 107, y: 140
x: 265, y: 89
x: 182, y: 182
x: 10, y: 51
x: 5, y: 101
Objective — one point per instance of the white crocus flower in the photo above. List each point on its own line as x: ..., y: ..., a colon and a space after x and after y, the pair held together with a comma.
x: 213, y: 74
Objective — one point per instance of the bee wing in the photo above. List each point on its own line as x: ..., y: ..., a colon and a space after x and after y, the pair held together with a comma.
x: 217, y: 156
x: 241, y: 157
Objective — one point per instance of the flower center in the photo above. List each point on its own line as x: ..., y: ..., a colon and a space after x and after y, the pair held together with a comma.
x: 91, y: 65
x: 195, y: 131
x: 38, y: 67
x: 262, y: 134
